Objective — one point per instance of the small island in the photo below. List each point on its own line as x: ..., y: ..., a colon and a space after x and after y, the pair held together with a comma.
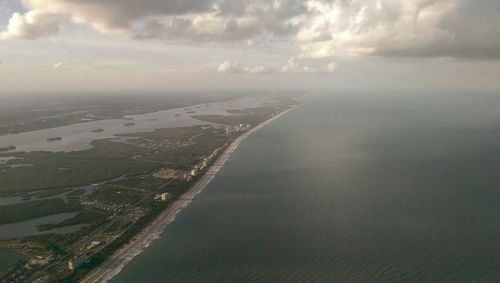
x: 54, y: 139
x: 7, y: 148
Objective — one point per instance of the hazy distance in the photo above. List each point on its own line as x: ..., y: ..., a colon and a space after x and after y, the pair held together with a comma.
x: 70, y: 46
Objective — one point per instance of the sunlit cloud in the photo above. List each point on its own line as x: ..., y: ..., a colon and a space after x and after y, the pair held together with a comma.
x: 58, y: 65
x: 32, y: 25
x: 338, y: 41
x: 236, y: 68
x: 320, y: 29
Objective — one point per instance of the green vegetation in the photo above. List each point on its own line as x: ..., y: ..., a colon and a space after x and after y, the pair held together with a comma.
x: 112, y: 194
x: 108, y: 159
x: 68, y: 169
x: 185, y: 157
x: 33, y: 209
x: 123, y: 239
x: 50, y: 193
x: 171, y: 134
x: 145, y: 183
x: 232, y: 120
x: 117, y: 226
x: 116, y: 210
x: 252, y: 116
x: 85, y: 216
x: 177, y: 188
x: 76, y: 193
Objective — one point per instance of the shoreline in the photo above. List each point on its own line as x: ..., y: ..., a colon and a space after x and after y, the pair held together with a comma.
x: 114, y: 264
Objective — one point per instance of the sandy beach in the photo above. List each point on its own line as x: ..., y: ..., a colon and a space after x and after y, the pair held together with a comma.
x: 115, y: 263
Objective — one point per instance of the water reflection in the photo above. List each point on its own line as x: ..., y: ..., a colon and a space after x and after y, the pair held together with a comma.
x: 29, y: 227
x: 79, y: 136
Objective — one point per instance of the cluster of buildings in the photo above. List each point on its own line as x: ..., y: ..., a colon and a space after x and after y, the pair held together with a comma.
x: 108, y: 207
x: 184, y: 143
x: 128, y: 210
x: 40, y: 260
x: 188, y: 176
x: 151, y: 144
x: 156, y: 145
x: 87, y: 117
x: 237, y: 128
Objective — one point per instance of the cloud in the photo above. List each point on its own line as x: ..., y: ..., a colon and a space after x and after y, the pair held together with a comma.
x: 471, y: 29
x: 295, y: 66
x: 58, y: 65
x: 236, y: 68
x: 332, y: 67
x: 117, y: 15
x: 370, y: 27
x: 32, y: 25
x: 209, y: 19
x: 307, y: 66
x: 410, y: 28
x: 320, y: 29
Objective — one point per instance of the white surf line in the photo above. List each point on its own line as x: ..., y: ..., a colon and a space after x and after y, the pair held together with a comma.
x: 117, y: 261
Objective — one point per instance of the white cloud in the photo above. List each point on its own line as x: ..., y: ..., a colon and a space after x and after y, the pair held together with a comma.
x: 210, y: 19
x: 32, y: 25
x: 321, y: 29
x: 332, y: 67
x: 301, y: 65
x: 116, y: 15
x: 295, y: 66
x: 369, y: 27
x: 58, y: 65
x: 234, y: 67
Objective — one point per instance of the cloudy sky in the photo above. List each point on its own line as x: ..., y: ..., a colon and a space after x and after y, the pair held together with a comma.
x: 63, y: 45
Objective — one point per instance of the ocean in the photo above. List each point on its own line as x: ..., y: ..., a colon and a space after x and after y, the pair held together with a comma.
x: 348, y: 187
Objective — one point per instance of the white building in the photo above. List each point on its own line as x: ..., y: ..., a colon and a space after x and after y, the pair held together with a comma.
x: 194, y: 172
x: 76, y: 261
x: 165, y: 196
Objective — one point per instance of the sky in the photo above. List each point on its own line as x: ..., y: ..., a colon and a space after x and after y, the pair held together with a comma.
x: 156, y: 45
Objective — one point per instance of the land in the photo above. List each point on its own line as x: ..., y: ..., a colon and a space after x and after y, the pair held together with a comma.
x: 127, y: 251
x: 8, y: 148
x: 241, y: 117
x: 28, y: 210
x: 107, y: 160
x: 135, y: 182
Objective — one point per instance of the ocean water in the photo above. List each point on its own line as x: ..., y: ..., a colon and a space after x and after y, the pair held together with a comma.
x: 347, y: 188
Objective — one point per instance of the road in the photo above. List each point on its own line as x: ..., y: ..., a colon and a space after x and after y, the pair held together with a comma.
x: 115, y: 262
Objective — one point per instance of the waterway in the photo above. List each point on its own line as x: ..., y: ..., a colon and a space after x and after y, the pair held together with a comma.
x: 347, y: 188
x: 29, y: 227
x: 8, y: 259
x: 79, y: 136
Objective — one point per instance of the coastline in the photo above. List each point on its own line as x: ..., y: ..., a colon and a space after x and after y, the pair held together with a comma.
x: 117, y: 261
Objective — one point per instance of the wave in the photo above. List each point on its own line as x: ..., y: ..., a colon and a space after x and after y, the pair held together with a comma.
x: 115, y: 264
